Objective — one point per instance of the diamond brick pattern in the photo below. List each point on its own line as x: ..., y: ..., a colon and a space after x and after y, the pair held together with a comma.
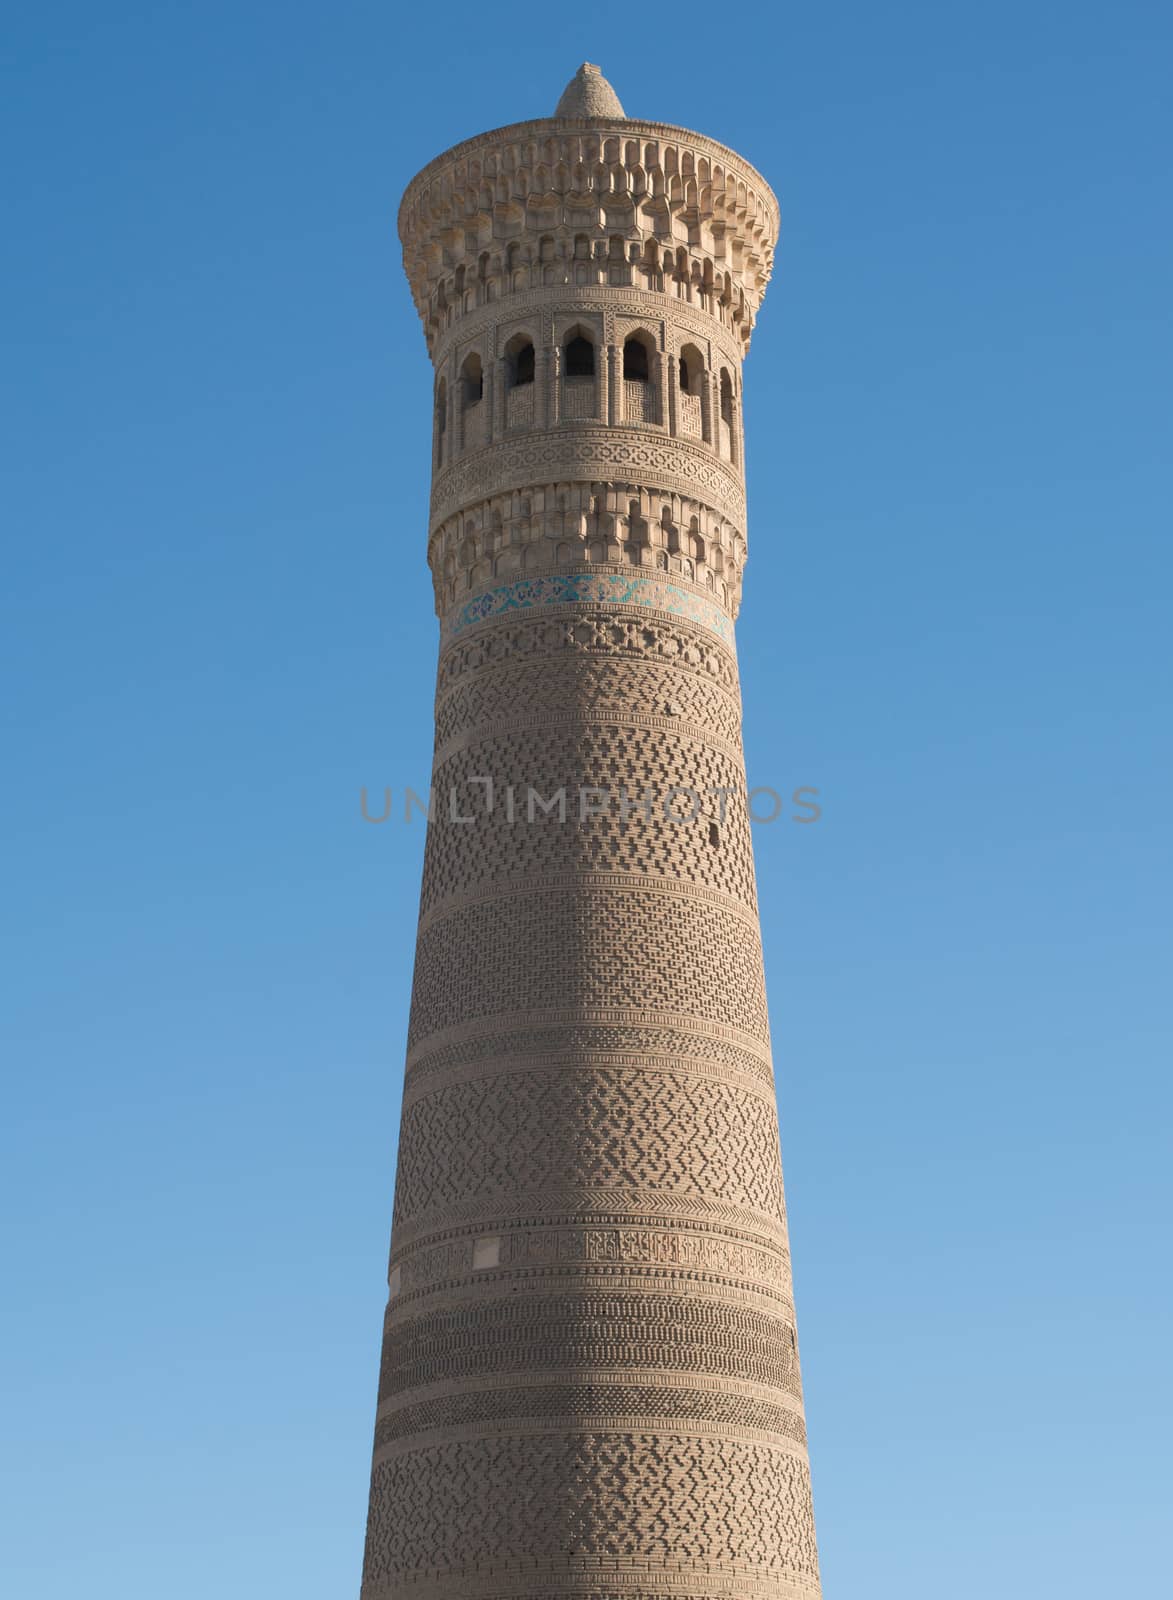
x: 512, y: 1132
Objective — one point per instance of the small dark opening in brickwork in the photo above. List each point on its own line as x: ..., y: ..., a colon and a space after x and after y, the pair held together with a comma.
x: 523, y: 366
x: 580, y: 358
x: 635, y: 361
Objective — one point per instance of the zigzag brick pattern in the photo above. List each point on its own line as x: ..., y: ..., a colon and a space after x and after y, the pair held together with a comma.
x: 603, y: 1494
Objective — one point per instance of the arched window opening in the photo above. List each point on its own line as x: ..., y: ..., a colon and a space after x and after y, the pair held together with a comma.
x: 519, y: 382
x: 578, y: 395
x: 472, y: 389
x: 635, y: 361
x: 472, y: 380
x: 690, y: 383
x: 727, y: 433
x: 580, y: 358
x: 641, y: 399
x: 522, y: 367
x: 690, y: 370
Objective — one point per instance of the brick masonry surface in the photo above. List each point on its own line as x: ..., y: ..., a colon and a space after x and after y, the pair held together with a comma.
x: 590, y: 1379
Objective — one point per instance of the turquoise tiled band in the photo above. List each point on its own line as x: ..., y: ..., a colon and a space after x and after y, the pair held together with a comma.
x: 598, y: 588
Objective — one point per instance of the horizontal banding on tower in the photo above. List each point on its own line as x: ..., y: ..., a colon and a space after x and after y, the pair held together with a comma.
x: 590, y: 1381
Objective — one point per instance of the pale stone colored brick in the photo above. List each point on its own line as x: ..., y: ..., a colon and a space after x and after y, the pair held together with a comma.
x: 590, y: 1380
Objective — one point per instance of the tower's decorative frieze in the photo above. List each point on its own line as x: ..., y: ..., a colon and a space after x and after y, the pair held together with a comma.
x: 590, y: 1380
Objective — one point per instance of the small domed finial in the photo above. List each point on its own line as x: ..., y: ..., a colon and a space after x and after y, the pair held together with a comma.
x: 588, y: 94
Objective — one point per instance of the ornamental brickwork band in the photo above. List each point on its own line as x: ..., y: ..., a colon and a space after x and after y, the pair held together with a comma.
x: 590, y: 1382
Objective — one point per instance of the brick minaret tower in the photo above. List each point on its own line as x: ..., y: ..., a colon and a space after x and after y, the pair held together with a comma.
x: 590, y: 1374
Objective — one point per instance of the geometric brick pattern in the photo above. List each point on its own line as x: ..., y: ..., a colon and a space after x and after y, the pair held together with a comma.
x: 591, y: 684
x: 498, y: 1134
x: 667, y: 1497
x: 589, y: 951
x: 543, y: 1402
x: 753, y: 1261
x: 681, y: 468
x: 590, y: 1381
x: 624, y: 1329
x: 616, y: 636
x: 493, y: 848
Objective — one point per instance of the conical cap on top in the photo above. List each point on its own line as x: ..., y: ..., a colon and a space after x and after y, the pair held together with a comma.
x: 588, y: 94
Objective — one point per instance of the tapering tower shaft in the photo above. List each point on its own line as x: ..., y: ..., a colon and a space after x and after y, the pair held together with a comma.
x: 590, y: 1378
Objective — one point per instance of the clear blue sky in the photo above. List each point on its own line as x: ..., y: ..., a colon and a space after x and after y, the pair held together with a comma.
x: 218, y: 626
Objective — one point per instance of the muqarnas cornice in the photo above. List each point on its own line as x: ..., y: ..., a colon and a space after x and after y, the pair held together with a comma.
x: 588, y: 201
